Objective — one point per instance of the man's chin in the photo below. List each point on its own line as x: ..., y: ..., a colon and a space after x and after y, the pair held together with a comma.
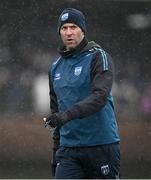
x: 71, y: 46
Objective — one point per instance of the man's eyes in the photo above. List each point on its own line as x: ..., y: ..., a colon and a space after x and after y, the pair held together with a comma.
x: 71, y: 27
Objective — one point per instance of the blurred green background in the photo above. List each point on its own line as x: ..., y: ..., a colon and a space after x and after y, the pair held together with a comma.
x: 28, y: 45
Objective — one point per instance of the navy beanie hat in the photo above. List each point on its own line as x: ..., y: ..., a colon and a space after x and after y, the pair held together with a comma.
x: 71, y: 15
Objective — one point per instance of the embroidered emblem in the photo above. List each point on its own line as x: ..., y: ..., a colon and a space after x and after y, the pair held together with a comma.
x: 78, y: 70
x: 105, y: 169
x: 64, y: 16
x: 57, y: 76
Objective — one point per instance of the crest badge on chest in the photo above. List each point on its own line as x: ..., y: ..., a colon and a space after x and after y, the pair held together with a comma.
x: 77, y: 70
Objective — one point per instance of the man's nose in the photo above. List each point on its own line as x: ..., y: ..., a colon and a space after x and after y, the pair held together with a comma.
x: 68, y: 31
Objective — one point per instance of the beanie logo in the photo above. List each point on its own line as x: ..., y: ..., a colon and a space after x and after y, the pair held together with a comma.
x: 64, y: 16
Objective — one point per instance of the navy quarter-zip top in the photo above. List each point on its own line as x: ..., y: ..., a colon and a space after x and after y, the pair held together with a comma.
x: 81, y: 85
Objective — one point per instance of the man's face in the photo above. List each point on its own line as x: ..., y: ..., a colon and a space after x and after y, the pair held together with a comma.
x: 71, y: 35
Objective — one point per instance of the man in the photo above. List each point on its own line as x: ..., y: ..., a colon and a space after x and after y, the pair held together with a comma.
x: 86, y: 139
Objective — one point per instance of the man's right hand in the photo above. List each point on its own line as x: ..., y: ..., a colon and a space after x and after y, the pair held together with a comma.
x: 56, y: 119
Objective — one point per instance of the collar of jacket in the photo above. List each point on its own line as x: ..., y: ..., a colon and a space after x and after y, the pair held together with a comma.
x: 67, y: 54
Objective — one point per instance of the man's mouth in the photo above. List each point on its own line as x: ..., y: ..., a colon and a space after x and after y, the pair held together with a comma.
x: 69, y: 40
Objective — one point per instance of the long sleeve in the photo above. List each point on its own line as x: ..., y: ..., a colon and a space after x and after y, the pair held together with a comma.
x: 54, y: 108
x: 53, y: 97
x: 101, y: 84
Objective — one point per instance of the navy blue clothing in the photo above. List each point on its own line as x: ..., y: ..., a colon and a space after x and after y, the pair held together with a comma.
x: 97, y: 162
x: 80, y: 84
x: 72, y: 84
